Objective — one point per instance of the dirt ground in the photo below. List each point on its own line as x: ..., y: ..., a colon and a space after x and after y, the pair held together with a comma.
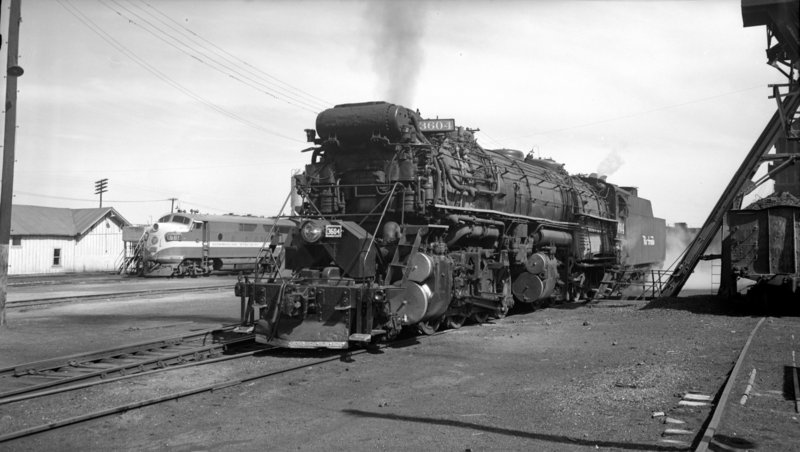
x: 767, y: 419
x: 570, y: 377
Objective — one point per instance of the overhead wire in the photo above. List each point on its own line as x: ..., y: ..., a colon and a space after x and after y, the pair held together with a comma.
x: 158, y: 169
x: 244, y: 65
x: 210, y: 61
x: 85, y: 20
x: 234, y: 59
x: 497, y: 143
x: 39, y: 195
x: 641, y: 113
x: 116, y: 201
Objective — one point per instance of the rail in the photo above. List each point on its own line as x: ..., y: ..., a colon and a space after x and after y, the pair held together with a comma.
x: 199, y: 390
x: 711, y: 428
x: 106, y: 296
x: 40, y: 377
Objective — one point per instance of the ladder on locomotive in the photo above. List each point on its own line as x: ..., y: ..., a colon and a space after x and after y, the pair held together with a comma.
x: 617, y: 283
x: 131, y: 264
x: 266, y: 260
x: 206, y: 246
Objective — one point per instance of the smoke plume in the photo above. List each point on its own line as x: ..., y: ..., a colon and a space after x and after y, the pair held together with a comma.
x: 610, y: 164
x: 397, y: 53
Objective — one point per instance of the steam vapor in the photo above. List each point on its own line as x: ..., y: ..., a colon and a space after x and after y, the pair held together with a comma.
x: 704, y: 276
x: 610, y: 164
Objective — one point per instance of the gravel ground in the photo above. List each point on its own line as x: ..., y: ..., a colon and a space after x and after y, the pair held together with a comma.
x: 571, y: 377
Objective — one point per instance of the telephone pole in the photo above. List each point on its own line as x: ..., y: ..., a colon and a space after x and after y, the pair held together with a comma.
x: 172, y: 205
x: 13, y: 71
x: 100, y: 187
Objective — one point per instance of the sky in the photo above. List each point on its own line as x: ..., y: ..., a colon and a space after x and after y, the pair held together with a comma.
x: 206, y: 101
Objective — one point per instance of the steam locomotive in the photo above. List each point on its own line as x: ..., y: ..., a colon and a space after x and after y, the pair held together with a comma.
x: 408, y: 222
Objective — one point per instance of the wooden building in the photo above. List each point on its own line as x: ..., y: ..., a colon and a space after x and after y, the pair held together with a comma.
x: 58, y: 240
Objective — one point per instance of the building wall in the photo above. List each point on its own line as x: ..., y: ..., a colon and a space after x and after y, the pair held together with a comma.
x: 99, y: 250
x: 35, y: 255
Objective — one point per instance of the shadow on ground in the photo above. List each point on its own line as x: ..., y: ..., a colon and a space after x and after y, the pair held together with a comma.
x: 734, y: 307
x: 562, y: 439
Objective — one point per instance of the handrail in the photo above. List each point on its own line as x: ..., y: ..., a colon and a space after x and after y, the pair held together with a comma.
x: 263, y: 245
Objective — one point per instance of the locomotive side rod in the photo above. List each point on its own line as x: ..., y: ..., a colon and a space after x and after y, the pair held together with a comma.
x: 713, y: 223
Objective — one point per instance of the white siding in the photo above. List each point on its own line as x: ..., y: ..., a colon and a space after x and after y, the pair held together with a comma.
x: 35, y: 255
x: 98, y: 250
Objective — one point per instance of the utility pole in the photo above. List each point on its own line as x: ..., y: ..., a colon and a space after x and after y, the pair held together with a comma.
x: 172, y: 206
x: 13, y: 71
x: 100, y: 187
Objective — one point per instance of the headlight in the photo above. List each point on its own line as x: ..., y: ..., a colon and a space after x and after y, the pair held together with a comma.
x: 311, y: 231
x: 155, y: 226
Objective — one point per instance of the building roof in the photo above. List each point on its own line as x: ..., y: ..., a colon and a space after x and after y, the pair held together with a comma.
x: 61, y: 222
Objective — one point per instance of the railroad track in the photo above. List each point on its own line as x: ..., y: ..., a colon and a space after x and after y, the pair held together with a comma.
x: 330, y: 356
x: 34, y: 379
x: 700, y: 423
x: 19, y: 304
x: 771, y: 352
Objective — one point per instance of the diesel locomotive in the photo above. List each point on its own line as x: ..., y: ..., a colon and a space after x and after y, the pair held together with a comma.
x: 193, y: 244
x: 408, y: 222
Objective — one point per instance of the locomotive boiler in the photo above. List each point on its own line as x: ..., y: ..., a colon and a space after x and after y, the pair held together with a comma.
x: 408, y: 222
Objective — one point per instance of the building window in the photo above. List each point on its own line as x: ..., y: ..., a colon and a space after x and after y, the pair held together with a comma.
x: 16, y: 241
x: 56, y: 257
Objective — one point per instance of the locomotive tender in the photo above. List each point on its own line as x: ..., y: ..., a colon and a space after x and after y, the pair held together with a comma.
x: 407, y: 222
x: 192, y: 244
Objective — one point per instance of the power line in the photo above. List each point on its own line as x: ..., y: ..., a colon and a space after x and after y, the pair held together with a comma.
x: 39, y: 195
x: 234, y: 58
x: 491, y: 139
x: 209, y: 61
x: 159, y: 169
x: 78, y: 14
x: 641, y: 113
